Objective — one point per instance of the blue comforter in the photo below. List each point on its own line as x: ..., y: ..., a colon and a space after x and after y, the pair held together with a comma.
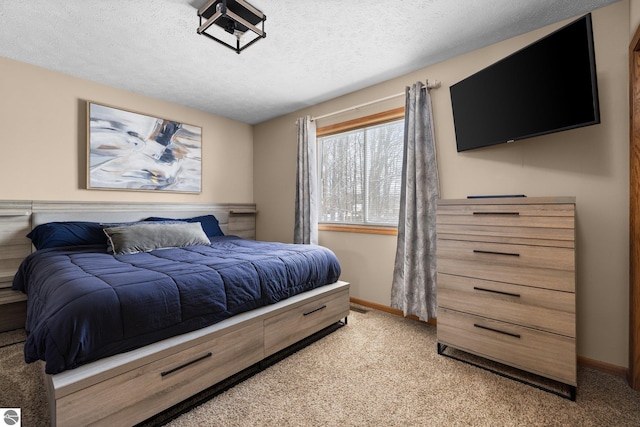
x: 85, y: 304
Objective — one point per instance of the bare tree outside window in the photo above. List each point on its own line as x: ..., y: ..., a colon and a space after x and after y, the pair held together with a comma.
x: 360, y: 173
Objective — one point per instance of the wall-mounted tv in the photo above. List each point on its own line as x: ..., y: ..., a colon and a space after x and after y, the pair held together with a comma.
x: 548, y: 86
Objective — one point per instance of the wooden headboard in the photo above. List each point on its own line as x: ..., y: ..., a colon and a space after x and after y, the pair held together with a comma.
x: 236, y: 219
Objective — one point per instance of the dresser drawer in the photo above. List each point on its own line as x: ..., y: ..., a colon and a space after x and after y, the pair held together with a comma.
x: 158, y: 385
x: 539, y: 266
x: 508, y: 223
x: 558, y: 237
x: 542, y: 353
x: 543, y: 309
x: 540, y: 215
x: 289, y: 327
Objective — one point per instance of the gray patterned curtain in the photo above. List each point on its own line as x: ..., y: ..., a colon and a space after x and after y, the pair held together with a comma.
x: 414, y: 275
x: 306, y: 223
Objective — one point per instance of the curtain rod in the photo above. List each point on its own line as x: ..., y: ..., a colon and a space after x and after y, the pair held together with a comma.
x: 430, y: 85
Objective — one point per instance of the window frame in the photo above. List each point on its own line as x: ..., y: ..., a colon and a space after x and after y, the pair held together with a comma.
x: 370, y: 120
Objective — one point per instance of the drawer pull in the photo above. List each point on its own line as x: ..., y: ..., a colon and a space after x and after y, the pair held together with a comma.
x: 177, y: 368
x: 496, y: 292
x: 497, y: 213
x: 478, y: 251
x: 496, y: 330
x: 313, y: 311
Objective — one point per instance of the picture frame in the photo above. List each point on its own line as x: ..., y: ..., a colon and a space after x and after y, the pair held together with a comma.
x: 127, y: 150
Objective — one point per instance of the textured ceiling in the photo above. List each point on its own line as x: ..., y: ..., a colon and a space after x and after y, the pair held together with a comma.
x: 314, y: 50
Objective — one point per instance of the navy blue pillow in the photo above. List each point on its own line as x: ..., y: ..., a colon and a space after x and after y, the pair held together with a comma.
x: 72, y: 233
x: 209, y: 223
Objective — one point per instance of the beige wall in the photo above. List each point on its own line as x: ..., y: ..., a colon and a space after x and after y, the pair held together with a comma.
x: 43, y: 140
x: 589, y: 163
x: 634, y: 14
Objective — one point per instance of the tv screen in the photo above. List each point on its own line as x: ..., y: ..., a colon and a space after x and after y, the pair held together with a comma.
x: 546, y: 87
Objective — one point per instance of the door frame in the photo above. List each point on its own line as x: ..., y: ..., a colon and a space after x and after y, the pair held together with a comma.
x: 634, y: 211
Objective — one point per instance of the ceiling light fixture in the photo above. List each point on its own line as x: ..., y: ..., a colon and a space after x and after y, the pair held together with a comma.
x: 235, y: 20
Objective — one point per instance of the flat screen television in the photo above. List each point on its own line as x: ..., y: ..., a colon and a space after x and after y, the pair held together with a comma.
x: 548, y: 86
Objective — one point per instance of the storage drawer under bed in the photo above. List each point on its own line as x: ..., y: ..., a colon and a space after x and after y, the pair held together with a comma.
x: 128, y: 388
x: 151, y: 388
x: 543, y: 353
x: 289, y: 327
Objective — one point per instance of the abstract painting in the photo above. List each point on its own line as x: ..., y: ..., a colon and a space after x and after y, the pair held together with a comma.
x: 132, y: 151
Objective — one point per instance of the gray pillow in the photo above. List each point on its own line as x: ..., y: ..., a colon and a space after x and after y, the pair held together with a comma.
x: 145, y: 237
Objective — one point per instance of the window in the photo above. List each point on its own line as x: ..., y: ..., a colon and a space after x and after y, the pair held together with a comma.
x: 360, y: 168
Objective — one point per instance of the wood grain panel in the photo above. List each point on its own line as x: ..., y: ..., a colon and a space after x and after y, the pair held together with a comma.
x: 13, y: 311
x: 497, y: 255
x: 15, y: 224
x: 537, y: 277
x: 539, y: 236
x: 8, y: 268
x: 14, y: 229
x: 520, y: 209
x: 149, y: 389
x: 242, y: 225
x: 497, y: 201
x: 504, y: 239
x: 289, y: 327
x: 546, y: 354
x: 507, y: 220
x: 634, y: 212
x: 542, y: 309
x: 377, y: 118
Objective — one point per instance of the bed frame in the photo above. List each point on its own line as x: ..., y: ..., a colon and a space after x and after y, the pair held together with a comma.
x: 128, y: 388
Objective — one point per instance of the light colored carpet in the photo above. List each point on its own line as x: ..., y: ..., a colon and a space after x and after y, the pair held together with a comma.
x: 378, y: 370
x: 21, y: 385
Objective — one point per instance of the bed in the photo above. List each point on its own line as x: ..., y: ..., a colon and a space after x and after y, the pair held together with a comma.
x: 164, y: 308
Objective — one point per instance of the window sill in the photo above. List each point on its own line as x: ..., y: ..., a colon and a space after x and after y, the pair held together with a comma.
x: 353, y: 228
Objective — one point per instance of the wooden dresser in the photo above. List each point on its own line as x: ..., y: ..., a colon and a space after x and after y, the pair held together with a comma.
x: 506, y: 282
